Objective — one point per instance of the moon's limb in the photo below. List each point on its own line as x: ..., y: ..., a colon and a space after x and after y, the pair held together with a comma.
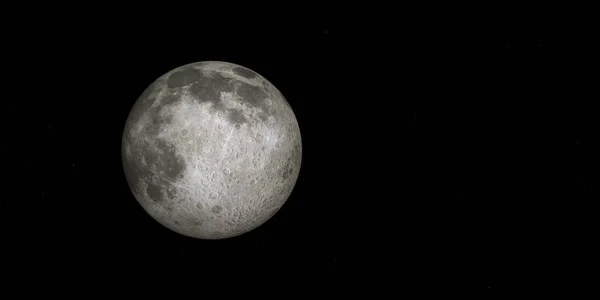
x: 221, y: 150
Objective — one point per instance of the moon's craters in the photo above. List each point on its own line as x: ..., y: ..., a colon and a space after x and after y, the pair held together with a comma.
x: 217, y: 209
x: 211, y: 150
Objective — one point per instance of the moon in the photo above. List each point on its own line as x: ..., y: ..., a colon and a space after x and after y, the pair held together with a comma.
x: 211, y: 150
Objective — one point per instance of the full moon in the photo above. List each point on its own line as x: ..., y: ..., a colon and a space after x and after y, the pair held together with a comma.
x: 211, y: 150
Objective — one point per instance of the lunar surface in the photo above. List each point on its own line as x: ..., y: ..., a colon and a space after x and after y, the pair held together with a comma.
x: 211, y: 150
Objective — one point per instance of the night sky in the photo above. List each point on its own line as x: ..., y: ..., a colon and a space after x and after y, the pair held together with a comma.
x: 434, y: 156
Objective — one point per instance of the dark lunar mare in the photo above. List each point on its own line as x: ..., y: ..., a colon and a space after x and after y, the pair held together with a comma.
x: 208, y: 89
x: 236, y: 116
x: 183, y: 77
x: 253, y: 95
x: 157, y: 152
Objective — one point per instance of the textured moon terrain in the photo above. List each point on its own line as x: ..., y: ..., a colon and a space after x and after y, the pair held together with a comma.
x: 211, y: 150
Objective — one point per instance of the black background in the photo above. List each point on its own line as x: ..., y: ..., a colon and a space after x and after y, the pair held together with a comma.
x: 433, y: 155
